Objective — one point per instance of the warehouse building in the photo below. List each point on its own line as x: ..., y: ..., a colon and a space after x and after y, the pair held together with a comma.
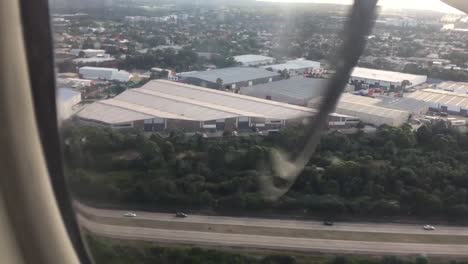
x: 414, y: 107
x: 94, y: 60
x: 87, y: 53
x: 101, y: 73
x: 385, y: 79
x: 295, y: 67
x: 161, y: 105
x: 66, y: 100
x: 253, y: 60
x: 456, y: 87
x: 230, y: 78
x: 367, y: 110
x: 297, y: 91
x: 450, y: 102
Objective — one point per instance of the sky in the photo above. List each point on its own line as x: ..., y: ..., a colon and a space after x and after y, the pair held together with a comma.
x: 435, y: 5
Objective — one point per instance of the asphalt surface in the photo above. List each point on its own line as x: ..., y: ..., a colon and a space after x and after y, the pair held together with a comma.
x: 132, y: 232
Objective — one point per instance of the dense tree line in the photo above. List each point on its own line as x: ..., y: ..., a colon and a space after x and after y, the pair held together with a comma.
x: 182, y: 60
x: 437, y: 73
x: 393, y: 172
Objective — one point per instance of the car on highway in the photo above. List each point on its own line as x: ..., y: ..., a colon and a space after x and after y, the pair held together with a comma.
x: 129, y: 214
x: 429, y: 227
x: 328, y: 223
x: 180, y: 214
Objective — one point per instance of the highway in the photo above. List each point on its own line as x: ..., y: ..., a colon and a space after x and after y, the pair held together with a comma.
x: 101, y: 222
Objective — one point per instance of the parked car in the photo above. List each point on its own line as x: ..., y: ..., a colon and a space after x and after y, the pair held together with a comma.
x: 328, y: 223
x: 129, y: 214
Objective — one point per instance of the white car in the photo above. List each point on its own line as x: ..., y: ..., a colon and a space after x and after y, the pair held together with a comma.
x: 429, y: 227
x: 180, y: 214
x: 129, y: 214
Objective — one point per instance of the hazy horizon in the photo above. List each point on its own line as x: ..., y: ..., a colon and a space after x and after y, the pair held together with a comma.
x: 433, y: 5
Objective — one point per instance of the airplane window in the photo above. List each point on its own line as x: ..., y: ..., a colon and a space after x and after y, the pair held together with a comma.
x: 270, y: 131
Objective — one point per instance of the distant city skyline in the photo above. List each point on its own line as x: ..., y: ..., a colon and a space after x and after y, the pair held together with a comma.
x: 434, y: 5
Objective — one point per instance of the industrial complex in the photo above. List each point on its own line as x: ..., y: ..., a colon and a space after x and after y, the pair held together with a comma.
x: 160, y: 105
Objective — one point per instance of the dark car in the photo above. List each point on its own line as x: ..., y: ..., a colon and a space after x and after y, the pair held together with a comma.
x: 328, y: 223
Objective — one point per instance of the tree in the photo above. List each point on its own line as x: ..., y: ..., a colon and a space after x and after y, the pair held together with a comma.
x: 278, y: 259
x: 404, y: 84
x: 219, y: 83
x: 284, y: 74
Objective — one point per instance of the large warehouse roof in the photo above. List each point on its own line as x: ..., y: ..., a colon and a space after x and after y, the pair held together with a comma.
x: 457, y: 87
x: 404, y: 104
x: 367, y: 110
x: 249, y: 58
x: 230, y: 75
x: 294, y: 65
x: 165, y: 99
x: 300, y: 88
x: 387, y: 76
x: 440, y: 97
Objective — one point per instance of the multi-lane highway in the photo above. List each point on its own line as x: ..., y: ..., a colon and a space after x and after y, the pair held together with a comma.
x: 257, y: 233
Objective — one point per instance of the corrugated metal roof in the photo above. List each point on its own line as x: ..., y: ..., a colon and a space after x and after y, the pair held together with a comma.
x: 300, y: 88
x: 173, y: 100
x: 458, y: 87
x: 294, y: 65
x: 369, y: 106
x: 371, y: 110
x: 404, y: 104
x: 441, y: 97
x: 111, y: 114
x: 230, y: 75
x: 248, y: 58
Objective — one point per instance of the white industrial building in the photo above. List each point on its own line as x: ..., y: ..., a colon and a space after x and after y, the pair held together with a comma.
x: 101, y: 73
x: 90, y: 60
x: 254, y: 60
x: 295, y: 67
x: 450, y: 102
x: 385, y: 79
x: 88, y: 53
x: 161, y: 105
x: 66, y: 100
x: 367, y: 110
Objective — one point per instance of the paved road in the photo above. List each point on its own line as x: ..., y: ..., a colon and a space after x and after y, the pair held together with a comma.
x: 261, y: 222
x: 270, y: 242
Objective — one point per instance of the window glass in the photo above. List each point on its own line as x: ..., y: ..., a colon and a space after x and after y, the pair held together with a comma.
x: 187, y: 131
